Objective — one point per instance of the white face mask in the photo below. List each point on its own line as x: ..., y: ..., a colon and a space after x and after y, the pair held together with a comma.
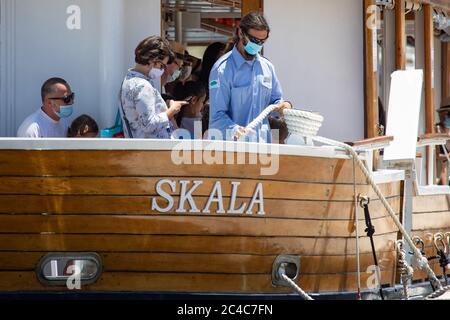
x: 155, y: 73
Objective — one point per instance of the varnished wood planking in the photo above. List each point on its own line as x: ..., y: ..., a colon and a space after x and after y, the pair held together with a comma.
x: 431, y: 203
x: 140, y: 205
x: 185, y: 225
x: 205, y: 263
x: 312, y: 246
x: 147, y: 186
x: 430, y: 221
x: 159, y: 163
x: 193, y: 283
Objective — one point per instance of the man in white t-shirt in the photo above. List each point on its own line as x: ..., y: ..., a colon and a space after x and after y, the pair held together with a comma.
x: 51, y: 120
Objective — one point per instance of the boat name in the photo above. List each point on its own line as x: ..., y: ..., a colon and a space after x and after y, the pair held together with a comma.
x: 186, y: 198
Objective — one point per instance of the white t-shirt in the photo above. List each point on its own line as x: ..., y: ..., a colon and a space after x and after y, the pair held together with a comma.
x: 40, y: 125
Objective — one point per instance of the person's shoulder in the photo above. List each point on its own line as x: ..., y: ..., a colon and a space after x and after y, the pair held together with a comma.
x: 134, y: 79
x: 222, y: 62
x: 266, y: 61
x: 30, y: 127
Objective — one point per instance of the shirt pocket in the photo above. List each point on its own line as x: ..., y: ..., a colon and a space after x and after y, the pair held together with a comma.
x: 240, y: 99
x: 265, y: 89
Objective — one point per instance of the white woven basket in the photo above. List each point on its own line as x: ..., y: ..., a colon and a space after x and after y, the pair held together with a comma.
x: 303, y: 123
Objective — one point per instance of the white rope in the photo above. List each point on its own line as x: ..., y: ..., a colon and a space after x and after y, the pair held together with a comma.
x: 406, y: 271
x: 307, y: 124
x: 423, y: 261
x: 260, y: 119
x: 358, y: 249
x: 296, y: 288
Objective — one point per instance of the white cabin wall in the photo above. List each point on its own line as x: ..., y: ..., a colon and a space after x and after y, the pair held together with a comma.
x: 45, y: 47
x: 143, y: 19
x: 36, y: 45
x: 317, y: 49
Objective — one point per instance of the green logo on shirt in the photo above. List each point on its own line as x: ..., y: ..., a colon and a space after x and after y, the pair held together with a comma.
x: 214, y: 84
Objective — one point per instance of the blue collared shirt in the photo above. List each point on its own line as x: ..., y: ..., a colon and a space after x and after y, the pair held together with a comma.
x: 239, y: 91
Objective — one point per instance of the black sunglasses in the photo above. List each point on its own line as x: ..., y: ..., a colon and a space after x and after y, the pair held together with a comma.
x: 67, y: 99
x: 256, y: 40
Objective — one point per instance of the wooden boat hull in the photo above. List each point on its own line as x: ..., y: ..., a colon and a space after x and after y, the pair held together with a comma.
x: 103, y: 201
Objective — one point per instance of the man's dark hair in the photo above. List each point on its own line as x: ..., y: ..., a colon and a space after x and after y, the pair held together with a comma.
x: 48, y: 86
x: 253, y: 20
x: 153, y: 48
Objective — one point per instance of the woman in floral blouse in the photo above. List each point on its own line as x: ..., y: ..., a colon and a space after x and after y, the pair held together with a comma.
x: 144, y: 111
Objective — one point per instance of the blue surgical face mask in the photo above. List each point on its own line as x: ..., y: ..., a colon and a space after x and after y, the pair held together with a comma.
x: 65, y: 112
x: 252, y: 48
x: 447, y: 122
x: 174, y: 76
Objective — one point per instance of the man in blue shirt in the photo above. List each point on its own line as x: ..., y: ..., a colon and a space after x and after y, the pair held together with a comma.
x: 243, y: 83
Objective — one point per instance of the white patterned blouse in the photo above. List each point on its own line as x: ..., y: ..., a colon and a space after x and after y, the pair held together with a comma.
x: 144, y: 108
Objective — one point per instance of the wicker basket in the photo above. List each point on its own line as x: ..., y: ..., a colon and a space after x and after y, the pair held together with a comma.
x: 303, y: 123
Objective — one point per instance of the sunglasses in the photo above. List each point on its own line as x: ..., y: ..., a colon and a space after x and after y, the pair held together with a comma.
x: 68, y: 100
x: 255, y: 40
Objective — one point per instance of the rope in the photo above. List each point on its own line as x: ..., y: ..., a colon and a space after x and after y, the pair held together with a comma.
x: 370, y: 233
x: 296, y: 288
x: 260, y: 119
x: 438, y: 293
x: 307, y: 124
x: 423, y: 262
x: 358, y: 249
x: 406, y: 271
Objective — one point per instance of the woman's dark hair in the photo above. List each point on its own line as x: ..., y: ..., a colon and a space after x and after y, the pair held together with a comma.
x: 212, y: 54
x: 253, y: 20
x: 82, y: 125
x: 189, y: 89
x: 153, y: 48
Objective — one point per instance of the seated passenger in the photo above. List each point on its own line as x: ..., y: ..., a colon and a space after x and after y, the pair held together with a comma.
x: 279, y: 130
x: 83, y: 127
x: 50, y: 121
x: 195, y: 94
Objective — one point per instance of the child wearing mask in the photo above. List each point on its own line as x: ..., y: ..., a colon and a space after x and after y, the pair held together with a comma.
x: 83, y: 127
x: 195, y: 93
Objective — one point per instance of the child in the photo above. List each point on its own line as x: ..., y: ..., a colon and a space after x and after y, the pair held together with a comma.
x: 195, y: 93
x: 83, y: 127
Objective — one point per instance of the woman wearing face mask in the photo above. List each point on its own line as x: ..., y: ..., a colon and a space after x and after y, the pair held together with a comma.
x: 145, y: 114
x: 195, y: 93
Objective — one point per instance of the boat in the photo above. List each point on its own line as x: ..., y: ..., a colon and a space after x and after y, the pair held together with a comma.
x: 218, y: 219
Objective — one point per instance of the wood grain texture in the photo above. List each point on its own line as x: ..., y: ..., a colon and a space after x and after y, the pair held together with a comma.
x: 205, y: 263
x: 159, y: 163
x: 302, y: 246
x: 185, y: 225
x: 147, y: 186
x: 195, y: 283
x: 140, y: 205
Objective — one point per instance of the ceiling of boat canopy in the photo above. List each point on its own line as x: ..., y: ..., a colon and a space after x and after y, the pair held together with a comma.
x: 204, y: 21
x: 200, y: 21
